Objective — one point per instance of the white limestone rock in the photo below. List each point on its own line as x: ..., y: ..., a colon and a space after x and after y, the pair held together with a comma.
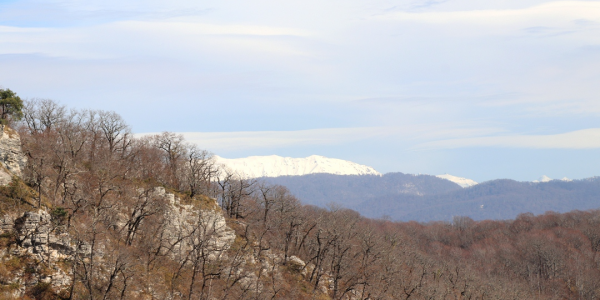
x: 36, y: 235
x: 44, y: 241
x: 38, y: 239
x: 12, y: 159
x: 206, y: 226
x: 296, y: 264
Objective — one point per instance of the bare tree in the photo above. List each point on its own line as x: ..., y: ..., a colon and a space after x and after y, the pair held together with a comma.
x: 115, y: 130
x: 199, y: 170
x: 233, y: 192
x: 174, y: 150
x: 41, y: 115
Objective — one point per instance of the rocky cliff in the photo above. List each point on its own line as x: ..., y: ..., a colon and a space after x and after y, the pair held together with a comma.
x: 37, y: 250
x: 183, y: 220
x: 12, y: 159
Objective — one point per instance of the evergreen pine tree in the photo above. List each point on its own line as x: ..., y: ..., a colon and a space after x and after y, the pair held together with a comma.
x: 11, y: 106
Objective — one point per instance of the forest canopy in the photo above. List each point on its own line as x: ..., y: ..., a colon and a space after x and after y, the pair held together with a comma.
x: 99, y: 182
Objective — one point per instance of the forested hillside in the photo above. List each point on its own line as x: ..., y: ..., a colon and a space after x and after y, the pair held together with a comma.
x: 99, y: 214
x: 352, y: 190
x: 424, y: 198
x: 497, y: 199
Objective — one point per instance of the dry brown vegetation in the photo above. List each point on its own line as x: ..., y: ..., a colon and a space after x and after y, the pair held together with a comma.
x: 98, y: 180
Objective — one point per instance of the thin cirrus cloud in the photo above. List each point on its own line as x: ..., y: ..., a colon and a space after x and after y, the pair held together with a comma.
x: 210, y: 29
x: 425, y: 138
x: 579, y: 139
x: 451, y: 79
x: 229, y: 141
x: 111, y: 39
x: 582, y: 12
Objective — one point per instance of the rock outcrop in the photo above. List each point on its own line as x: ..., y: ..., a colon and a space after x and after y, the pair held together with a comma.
x: 206, y: 226
x: 40, y: 247
x: 12, y: 159
x: 38, y: 236
x: 43, y: 248
x: 297, y: 265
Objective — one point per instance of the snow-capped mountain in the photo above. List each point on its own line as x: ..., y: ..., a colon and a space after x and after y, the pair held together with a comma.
x: 545, y: 178
x: 464, y: 182
x: 273, y: 166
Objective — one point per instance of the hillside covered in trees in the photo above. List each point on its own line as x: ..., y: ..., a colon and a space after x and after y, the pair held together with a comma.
x: 423, y: 198
x: 99, y: 214
x: 352, y: 190
x: 496, y: 199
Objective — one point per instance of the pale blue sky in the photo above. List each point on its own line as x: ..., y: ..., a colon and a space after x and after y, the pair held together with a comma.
x: 479, y: 89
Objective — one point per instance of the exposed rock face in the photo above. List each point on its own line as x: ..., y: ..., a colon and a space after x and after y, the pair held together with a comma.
x: 45, y: 248
x: 40, y: 242
x: 205, y: 226
x: 36, y: 235
x: 12, y: 159
x: 296, y: 264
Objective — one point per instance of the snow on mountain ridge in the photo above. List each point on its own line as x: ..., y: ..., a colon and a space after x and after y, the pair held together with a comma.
x: 274, y: 166
x: 463, y: 182
x: 545, y: 178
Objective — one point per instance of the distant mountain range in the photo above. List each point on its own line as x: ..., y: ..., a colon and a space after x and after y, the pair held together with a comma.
x: 426, y: 198
x: 318, y: 180
x: 496, y: 199
x: 275, y: 166
x: 353, y: 190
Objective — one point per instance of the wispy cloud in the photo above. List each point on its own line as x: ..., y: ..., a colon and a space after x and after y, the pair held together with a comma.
x: 228, y: 141
x: 426, y: 3
x: 573, y: 19
x: 179, y: 27
x: 557, y: 11
x: 423, y: 74
x: 580, y: 139
x: 187, y: 40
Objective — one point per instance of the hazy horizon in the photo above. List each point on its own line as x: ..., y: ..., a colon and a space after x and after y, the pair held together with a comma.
x: 481, y: 90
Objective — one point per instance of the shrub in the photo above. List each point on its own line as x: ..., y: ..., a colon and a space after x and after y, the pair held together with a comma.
x: 41, y: 291
x: 59, y: 216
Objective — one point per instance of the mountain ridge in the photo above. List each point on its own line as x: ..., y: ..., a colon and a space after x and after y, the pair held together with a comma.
x: 496, y: 199
x: 463, y: 182
x: 274, y: 166
x: 351, y: 190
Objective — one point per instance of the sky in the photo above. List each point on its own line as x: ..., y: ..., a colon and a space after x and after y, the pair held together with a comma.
x: 477, y: 89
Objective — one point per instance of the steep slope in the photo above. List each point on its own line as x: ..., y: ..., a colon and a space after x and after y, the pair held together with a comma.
x: 273, y: 166
x: 37, y: 246
x: 12, y: 159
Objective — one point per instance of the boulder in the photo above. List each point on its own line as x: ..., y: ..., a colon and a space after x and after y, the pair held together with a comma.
x: 296, y: 264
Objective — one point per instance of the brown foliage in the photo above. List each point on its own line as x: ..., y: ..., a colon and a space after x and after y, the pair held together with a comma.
x: 103, y: 179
